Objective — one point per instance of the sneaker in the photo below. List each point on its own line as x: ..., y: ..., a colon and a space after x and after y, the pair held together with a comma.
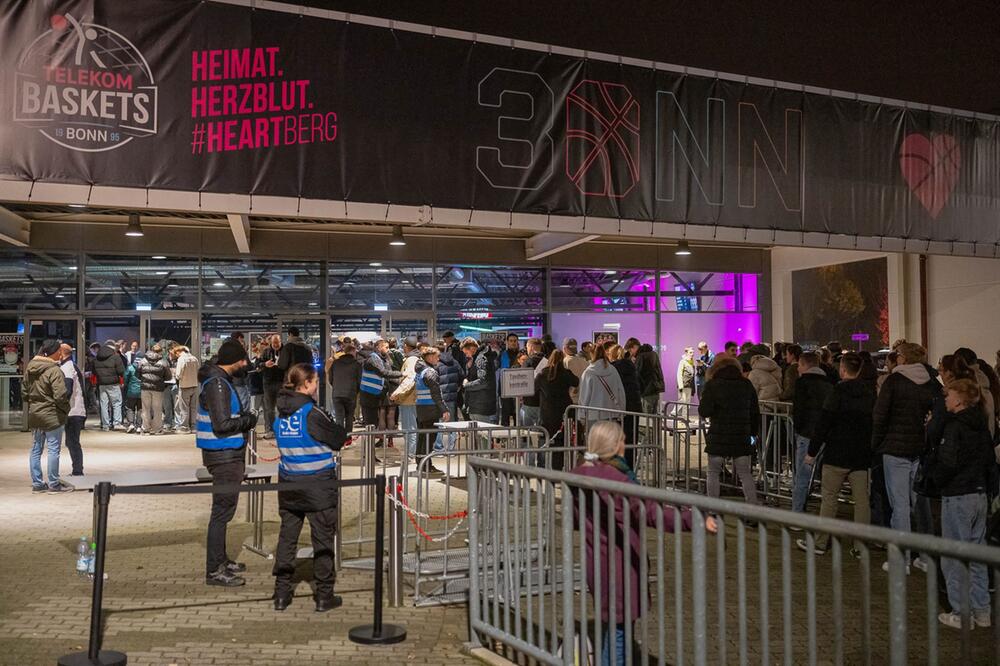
x: 39, y: 489
x: 921, y: 564
x: 804, y: 546
x: 224, y: 578
x: 885, y: 567
x: 982, y: 618
x: 103, y: 429
x: 235, y: 567
x: 793, y: 528
x: 61, y: 488
x: 953, y: 620
x: 184, y: 430
x: 130, y: 429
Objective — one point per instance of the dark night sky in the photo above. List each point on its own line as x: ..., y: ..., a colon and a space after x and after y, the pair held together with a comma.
x: 945, y: 53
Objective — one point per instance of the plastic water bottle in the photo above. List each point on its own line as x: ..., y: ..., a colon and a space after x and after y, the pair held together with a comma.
x: 82, y: 557
x: 91, y: 558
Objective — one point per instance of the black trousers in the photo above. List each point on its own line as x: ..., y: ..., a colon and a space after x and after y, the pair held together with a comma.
x: 508, y: 411
x: 74, y: 426
x: 223, y: 510
x: 343, y: 412
x: 270, y: 401
x: 425, y: 441
x: 321, y: 526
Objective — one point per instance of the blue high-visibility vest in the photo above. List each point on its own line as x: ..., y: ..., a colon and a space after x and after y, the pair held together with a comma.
x: 204, y: 437
x: 300, y: 453
x: 372, y: 383
x: 423, y: 391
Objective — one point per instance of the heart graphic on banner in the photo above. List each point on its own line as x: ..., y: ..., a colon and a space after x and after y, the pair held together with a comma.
x: 930, y: 167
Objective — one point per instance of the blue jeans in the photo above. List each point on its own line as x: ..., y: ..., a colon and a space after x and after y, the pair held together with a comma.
x: 445, y: 441
x: 408, y: 423
x: 899, y: 474
x: 492, y: 418
x: 963, y: 518
x: 51, y: 440
x: 111, y: 394
x: 803, y: 473
x: 619, y: 646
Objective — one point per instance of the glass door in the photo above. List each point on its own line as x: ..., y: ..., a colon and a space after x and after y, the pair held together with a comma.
x: 404, y: 324
x: 12, y: 354
x: 315, y: 333
x: 168, y: 331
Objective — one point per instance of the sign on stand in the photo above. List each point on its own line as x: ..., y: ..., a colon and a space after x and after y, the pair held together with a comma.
x: 517, y: 382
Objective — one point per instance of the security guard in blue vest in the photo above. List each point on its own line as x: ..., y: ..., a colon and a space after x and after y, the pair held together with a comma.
x: 431, y: 408
x: 307, y: 437
x: 224, y: 426
x: 376, y: 375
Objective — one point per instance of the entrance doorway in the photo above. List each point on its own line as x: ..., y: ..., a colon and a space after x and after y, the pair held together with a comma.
x: 313, y: 332
x: 170, y: 330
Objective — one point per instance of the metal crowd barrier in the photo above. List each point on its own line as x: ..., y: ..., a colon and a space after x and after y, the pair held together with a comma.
x: 695, y: 598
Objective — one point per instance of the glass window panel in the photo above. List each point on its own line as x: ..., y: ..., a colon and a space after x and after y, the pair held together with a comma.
x: 40, y: 281
x: 685, y: 291
x: 489, y: 288
x: 362, y: 286
x: 474, y: 324
x: 141, y: 283
x: 215, y: 328
x: 600, y: 290
x: 262, y: 286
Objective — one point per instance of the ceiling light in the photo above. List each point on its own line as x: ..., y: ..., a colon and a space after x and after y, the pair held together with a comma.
x: 348, y: 282
x: 375, y: 263
x: 313, y: 303
x: 397, y: 236
x: 60, y: 296
x: 610, y: 272
x: 134, y: 228
x: 218, y: 284
x: 683, y: 249
x: 382, y: 270
x: 209, y: 305
x: 162, y: 272
x: 173, y: 284
x: 73, y: 268
x: 77, y: 205
x: 158, y: 256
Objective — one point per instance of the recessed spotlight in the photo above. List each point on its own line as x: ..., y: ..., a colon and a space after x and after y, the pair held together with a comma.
x: 683, y: 249
x: 375, y: 264
x: 159, y: 256
x: 60, y: 296
x: 209, y: 305
x: 173, y: 284
x: 218, y: 284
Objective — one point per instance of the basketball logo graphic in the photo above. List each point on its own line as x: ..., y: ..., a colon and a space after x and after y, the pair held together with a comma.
x: 85, y: 87
x: 930, y: 168
x: 602, y: 139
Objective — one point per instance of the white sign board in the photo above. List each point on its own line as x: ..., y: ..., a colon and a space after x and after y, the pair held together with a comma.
x: 517, y: 382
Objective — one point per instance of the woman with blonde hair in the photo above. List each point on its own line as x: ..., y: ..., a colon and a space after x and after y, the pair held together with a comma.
x: 604, y: 460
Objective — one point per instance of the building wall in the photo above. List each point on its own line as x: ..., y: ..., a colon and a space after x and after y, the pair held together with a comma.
x: 963, y: 303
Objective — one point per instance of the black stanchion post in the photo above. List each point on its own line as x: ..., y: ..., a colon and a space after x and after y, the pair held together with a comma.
x: 95, y: 656
x: 378, y: 633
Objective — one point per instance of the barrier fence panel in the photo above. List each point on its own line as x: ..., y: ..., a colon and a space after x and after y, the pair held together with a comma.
x: 620, y: 586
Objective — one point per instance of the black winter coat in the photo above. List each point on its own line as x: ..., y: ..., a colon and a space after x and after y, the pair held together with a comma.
x: 845, y: 426
x: 730, y: 401
x: 273, y: 376
x: 900, y: 412
x: 108, y: 366
x: 321, y: 427
x: 650, y: 373
x: 215, y: 399
x: 811, y: 391
x: 630, y: 380
x: 553, y: 396
x: 450, y: 375
x: 345, y: 377
x: 153, y: 372
x: 430, y: 413
x: 963, y: 462
x: 293, y: 352
x: 481, y: 391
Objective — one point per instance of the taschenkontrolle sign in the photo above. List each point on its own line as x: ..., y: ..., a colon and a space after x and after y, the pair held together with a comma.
x: 215, y: 97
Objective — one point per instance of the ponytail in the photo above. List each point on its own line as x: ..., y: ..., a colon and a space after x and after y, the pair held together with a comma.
x: 298, y: 375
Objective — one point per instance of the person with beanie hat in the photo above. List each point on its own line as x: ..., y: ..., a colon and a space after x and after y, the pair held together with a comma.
x: 224, y: 425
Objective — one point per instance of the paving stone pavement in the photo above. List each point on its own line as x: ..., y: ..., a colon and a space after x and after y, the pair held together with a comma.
x: 159, y: 611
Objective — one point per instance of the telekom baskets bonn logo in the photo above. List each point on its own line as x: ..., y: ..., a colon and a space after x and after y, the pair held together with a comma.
x: 85, y: 87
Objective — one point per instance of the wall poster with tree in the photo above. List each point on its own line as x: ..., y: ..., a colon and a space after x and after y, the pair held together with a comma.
x: 837, y: 301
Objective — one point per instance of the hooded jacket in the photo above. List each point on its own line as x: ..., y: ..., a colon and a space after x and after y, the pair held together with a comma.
x: 43, y: 392
x: 405, y: 393
x: 811, y: 391
x: 108, y: 366
x: 133, y: 385
x: 345, y: 376
x: 845, y: 426
x: 650, y: 372
x: 601, y: 388
x: 153, y: 372
x: 215, y: 399
x: 765, y: 375
x: 730, y: 402
x: 963, y: 461
x: 450, y: 376
x: 321, y: 427
x: 900, y: 411
x: 293, y: 352
x: 187, y: 370
x: 481, y: 391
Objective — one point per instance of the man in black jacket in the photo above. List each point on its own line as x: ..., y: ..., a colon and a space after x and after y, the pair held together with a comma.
x: 811, y: 390
x: 224, y: 425
x: 345, y: 382
x: 480, y: 385
x: 294, y: 351
x: 110, y: 369
x: 530, y: 406
x: 843, y: 433
x: 272, y: 378
x: 900, y: 413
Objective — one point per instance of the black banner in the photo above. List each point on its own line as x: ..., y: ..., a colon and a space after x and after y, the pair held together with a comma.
x: 211, y: 97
